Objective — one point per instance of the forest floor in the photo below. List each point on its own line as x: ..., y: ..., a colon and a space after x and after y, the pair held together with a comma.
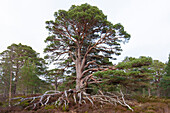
x: 139, y: 105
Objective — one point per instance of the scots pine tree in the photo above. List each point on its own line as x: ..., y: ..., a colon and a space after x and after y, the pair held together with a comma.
x: 13, y: 59
x: 165, y: 82
x: 83, y: 39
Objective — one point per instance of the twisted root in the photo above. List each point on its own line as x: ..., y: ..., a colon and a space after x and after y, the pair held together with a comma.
x: 79, y: 97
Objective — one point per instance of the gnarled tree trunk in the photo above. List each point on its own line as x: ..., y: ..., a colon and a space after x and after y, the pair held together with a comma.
x: 78, y: 75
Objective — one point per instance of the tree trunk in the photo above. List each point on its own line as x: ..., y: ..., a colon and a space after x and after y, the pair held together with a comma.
x: 16, y: 81
x: 158, y: 92
x: 78, y: 75
x: 14, y: 88
x: 77, y: 84
x: 78, y: 71
x: 5, y: 94
x: 56, y: 83
x: 149, y: 92
x: 10, y: 89
x: 158, y: 88
x: 78, y: 79
x: 143, y: 90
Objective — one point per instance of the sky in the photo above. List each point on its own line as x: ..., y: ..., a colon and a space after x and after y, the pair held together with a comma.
x: 148, y: 22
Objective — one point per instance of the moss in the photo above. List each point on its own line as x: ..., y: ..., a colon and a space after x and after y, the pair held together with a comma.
x: 47, y: 107
x: 4, y: 104
x: 65, y: 108
x: 24, y: 103
x: 17, y: 100
x: 23, y: 96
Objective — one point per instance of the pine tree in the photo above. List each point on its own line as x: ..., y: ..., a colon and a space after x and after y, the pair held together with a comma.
x: 81, y: 38
x: 165, y: 82
x: 131, y: 74
x: 29, y: 82
x: 158, y: 72
x: 14, y: 59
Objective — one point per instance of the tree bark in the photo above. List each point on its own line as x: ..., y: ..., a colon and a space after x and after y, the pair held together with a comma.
x: 14, y: 88
x: 149, y: 92
x: 56, y: 83
x: 78, y: 69
x: 78, y: 74
x: 77, y: 84
x: 6, y: 88
x: 10, y: 88
x: 78, y: 78
x: 16, y: 79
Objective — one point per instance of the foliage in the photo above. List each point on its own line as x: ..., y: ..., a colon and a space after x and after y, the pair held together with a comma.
x: 130, y: 74
x: 130, y: 62
x: 165, y: 82
x: 29, y: 81
x: 4, y: 77
x: 158, y: 70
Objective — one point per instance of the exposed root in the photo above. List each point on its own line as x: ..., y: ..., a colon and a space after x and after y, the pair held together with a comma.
x: 59, y: 98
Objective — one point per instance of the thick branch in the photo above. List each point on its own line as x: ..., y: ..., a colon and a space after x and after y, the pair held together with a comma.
x: 91, y: 62
x: 91, y: 69
x: 104, y: 68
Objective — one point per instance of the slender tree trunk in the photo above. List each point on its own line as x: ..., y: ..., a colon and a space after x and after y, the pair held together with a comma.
x: 143, y: 90
x: 26, y: 91
x: 56, y: 83
x: 14, y: 88
x: 15, y: 85
x: 158, y: 88
x: 158, y: 92
x: 10, y: 88
x: 16, y: 81
x: 4, y: 93
x: 6, y: 89
x: 149, y: 92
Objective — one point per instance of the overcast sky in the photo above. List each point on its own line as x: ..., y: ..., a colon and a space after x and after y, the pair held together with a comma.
x: 148, y: 22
